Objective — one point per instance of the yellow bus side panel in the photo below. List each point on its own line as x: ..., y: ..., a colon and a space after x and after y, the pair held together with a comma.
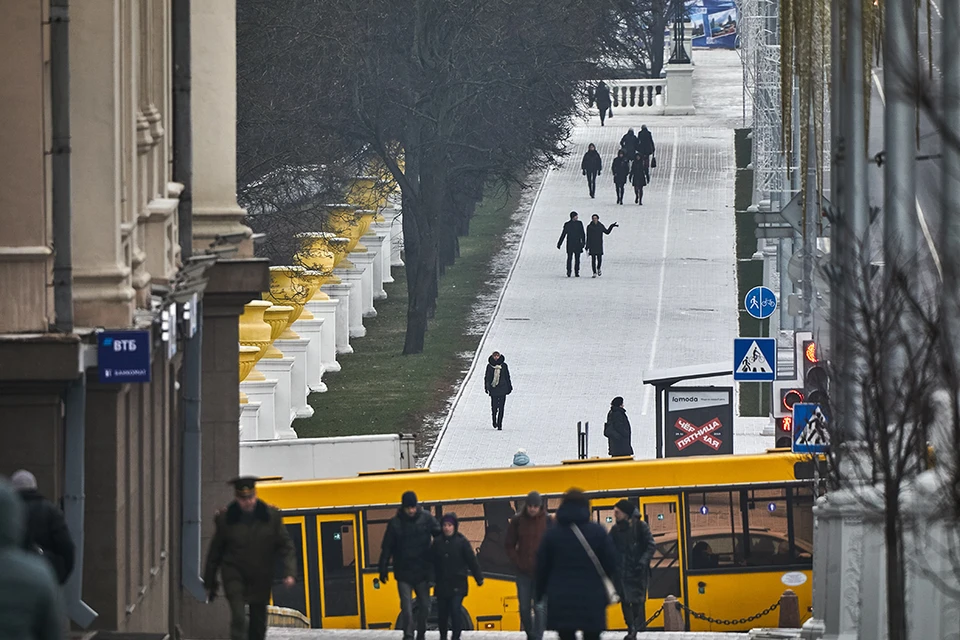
x: 732, y: 596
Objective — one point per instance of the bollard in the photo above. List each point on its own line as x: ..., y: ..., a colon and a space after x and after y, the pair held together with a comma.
x: 789, y: 610
x: 672, y: 616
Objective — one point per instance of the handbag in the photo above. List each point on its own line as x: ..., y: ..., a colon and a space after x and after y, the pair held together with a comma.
x: 653, y: 162
x: 612, y: 596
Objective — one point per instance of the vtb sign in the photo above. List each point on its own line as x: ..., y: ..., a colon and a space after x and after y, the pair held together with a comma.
x: 699, y: 421
x: 123, y: 356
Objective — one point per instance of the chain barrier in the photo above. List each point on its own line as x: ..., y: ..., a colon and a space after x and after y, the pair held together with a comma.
x: 729, y: 623
x: 656, y: 615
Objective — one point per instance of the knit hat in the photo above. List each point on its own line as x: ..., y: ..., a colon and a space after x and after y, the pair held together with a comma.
x: 409, y: 499
x: 534, y: 499
x: 23, y: 480
x: 520, y: 458
x: 625, y: 506
x: 617, y: 402
x: 449, y: 517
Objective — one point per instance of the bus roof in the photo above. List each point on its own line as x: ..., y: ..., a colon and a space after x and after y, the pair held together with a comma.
x: 612, y: 476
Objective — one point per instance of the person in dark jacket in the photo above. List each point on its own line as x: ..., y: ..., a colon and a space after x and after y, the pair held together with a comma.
x: 645, y: 149
x: 248, y: 538
x: 29, y: 598
x: 635, y: 546
x: 566, y: 576
x: 630, y: 145
x: 617, y: 429
x: 408, y: 541
x: 47, y: 531
x: 573, y: 232
x: 453, y: 560
x: 621, y: 170
x: 524, y: 534
x: 595, y: 232
x: 638, y: 178
x: 602, y: 98
x: 591, y: 166
x: 497, y: 384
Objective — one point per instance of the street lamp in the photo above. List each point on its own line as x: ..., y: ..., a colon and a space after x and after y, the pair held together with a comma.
x: 679, y: 55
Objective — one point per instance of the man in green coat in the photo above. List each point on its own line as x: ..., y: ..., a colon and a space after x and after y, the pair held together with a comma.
x: 249, y: 537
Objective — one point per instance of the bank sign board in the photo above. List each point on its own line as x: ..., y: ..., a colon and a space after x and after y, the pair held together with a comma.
x: 699, y: 421
x: 123, y: 356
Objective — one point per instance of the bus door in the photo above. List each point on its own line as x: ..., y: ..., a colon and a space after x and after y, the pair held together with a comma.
x: 339, y: 573
x: 661, y: 515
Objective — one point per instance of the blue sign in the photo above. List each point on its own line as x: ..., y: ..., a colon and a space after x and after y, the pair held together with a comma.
x: 760, y: 302
x: 755, y: 359
x: 123, y: 356
x: 809, y: 429
x: 714, y: 23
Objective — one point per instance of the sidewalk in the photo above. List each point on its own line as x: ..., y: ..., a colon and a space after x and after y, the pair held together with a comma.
x: 667, y: 297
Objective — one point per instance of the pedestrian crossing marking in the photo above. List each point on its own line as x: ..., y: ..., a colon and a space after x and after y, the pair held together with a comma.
x: 754, y: 361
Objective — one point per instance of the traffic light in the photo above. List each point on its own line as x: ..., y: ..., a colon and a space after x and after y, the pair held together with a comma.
x: 785, y: 425
x: 815, y: 379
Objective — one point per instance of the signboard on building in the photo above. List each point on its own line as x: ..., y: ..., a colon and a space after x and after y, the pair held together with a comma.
x: 699, y: 421
x: 714, y: 23
x: 123, y: 356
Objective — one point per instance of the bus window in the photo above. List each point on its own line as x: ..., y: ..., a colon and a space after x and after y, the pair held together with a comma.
x: 801, y: 508
x: 375, y: 526
x: 294, y: 597
x: 716, y: 530
x: 768, y: 528
x: 484, y: 524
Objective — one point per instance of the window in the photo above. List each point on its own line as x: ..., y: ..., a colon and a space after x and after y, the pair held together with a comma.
x: 375, y: 527
x: 294, y: 597
x: 716, y: 530
x: 484, y: 524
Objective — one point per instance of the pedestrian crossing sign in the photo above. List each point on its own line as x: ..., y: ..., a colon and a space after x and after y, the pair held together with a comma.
x: 809, y: 428
x: 755, y: 359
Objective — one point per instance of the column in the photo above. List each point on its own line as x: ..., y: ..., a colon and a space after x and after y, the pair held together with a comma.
x: 213, y: 37
x: 312, y: 330
x: 263, y: 393
x: 364, y: 261
x: 281, y: 370
x: 383, y: 229
x: 373, y: 241
x: 341, y: 293
x: 679, y: 90
x: 297, y: 349
x: 353, y: 278
x: 396, y: 236
x: 249, y: 415
x: 325, y: 308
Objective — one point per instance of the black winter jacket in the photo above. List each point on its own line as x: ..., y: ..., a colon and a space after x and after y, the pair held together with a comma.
x: 407, y: 541
x: 630, y: 144
x: 617, y: 431
x: 453, y: 561
x: 645, y: 142
x: 566, y: 576
x: 635, y: 546
x: 602, y: 96
x: 595, y: 233
x: 638, y: 177
x: 47, y: 532
x: 505, y: 386
x: 592, y: 162
x: 573, y: 232
x: 620, y: 169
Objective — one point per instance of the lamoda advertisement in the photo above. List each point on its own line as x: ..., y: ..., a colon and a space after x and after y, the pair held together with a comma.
x: 699, y: 421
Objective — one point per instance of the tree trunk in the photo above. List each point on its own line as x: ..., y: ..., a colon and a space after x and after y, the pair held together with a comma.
x: 896, y: 584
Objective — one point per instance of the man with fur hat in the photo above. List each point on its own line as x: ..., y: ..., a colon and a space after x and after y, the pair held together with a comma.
x: 248, y: 539
x: 407, y: 541
x: 453, y: 561
x: 524, y: 534
x: 635, y: 546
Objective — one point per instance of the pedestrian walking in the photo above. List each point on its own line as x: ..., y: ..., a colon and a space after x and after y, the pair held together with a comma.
x: 575, y: 561
x: 617, y: 429
x: 453, y: 561
x: 524, y: 534
x: 591, y: 166
x: 601, y: 96
x: 408, y: 542
x: 497, y: 384
x: 635, y: 546
x: 29, y: 597
x: 646, y: 150
x: 521, y: 459
x: 621, y: 170
x: 630, y: 145
x: 248, y: 539
x: 573, y: 232
x: 638, y: 178
x: 47, y: 532
x: 595, y: 233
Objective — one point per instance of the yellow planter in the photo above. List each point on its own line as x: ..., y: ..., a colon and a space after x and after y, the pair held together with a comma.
x: 347, y: 222
x: 316, y: 279
x: 322, y: 251
x: 370, y: 192
x: 277, y: 316
x: 288, y: 287
x: 248, y: 358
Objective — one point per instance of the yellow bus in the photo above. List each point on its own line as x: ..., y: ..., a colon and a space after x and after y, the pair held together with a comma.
x: 754, y: 512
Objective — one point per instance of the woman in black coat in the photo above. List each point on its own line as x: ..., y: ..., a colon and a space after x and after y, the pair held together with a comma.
x: 617, y: 429
x: 591, y: 165
x: 620, y: 169
x: 575, y: 593
x: 453, y: 561
x: 496, y: 382
x: 638, y: 178
x: 595, y: 232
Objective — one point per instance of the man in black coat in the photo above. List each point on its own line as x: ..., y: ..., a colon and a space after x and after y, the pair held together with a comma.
x: 617, y: 430
x: 566, y: 576
x: 407, y: 541
x: 574, y: 234
x: 591, y: 166
x: 47, y: 532
x: 595, y: 232
x: 453, y: 561
x: 497, y: 384
x: 635, y: 546
x: 602, y: 98
x: 630, y: 144
x: 620, y: 170
x: 645, y: 149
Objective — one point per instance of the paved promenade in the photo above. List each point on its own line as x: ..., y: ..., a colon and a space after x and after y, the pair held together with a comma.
x: 667, y: 296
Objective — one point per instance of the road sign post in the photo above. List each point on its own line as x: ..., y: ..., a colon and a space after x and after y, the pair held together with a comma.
x: 809, y: 429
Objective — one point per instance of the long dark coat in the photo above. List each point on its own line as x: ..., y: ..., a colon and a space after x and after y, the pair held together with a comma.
x: 453, y: 561
x: 505, y: 387
x: 408, y: 541
x: 635, y: 546
x: 602, y: 96
x: 595, y: 233
x: 592, y: 162
x: 576, y: 597
x: 620, y: 169
x: 245, y: 551
x: 630, y: 144
x: 573, y: 232
x: 47, y: 529
x: 645, y: 142
x: 617, y: 431
x: 638, y: 177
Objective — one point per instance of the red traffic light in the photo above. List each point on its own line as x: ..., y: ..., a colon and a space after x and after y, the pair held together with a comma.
x: 791, y: 397
x: 785, y: 424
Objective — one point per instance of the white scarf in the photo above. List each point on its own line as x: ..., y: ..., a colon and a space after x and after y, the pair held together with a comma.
x: 496, y: 375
